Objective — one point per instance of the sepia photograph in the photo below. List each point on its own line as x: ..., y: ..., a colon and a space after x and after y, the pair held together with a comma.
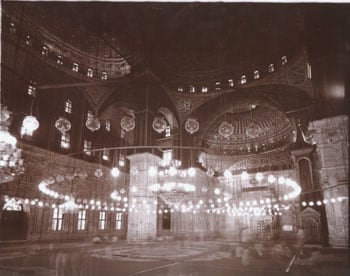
x: 174, y: 138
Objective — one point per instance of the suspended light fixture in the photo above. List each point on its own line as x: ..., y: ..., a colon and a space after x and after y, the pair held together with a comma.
x: 271, y: 178
x: 259, y: 176
x: 115, y: 172
x: 173, y: 184
x: 30, y: 124
x: 192, y: 125
x: 191, y: 172
x: 93, y: 123
x: 227, y: 174
x: 63, y: 124
x: 128, y: 122
x: 226, y: 129
x: 11, y: 162
x: 244, y: 175
x: 159, y: 124
x: 98, y: 173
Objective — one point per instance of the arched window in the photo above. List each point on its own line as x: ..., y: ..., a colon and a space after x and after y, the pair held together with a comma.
x: 230, y: 82
x: 28, y: 40
x: 65, y: 140
x: 87, y: 147
x: 243, y: 79
x: 90, y: 73
x: 45, y: 51
x: 192, y: 89
x: 167, y: 131
x: 75, y: 67
x: 68, y: 106
x: 31, y: 90
x: 305, y: 174
x: 108, y: 125
x: 104, y: 76
x: 217, y: 86
x: 12, y: 28
x: 284, y: 60
x: 60, y: 60
x: 256, y: 74
x: 271, y: 68
x: 102, y: 221
x: 82, y: 220
x: 309, y: 75
x: 105, y: 154
x: 57, y: 219
x: 118, y: 221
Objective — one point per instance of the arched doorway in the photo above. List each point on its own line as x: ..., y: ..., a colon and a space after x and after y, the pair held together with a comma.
x: 312, y: 225
x: 13, y: 221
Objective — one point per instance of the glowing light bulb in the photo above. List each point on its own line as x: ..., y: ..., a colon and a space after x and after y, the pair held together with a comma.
x: 30, y: 123
x: 115, y: 172
x: 271, y: 178
x: 152, y: 171
x: 259, y: 176
x: 191, y: 172
x: 281, y: 180
x: 172, y: 171
x: 244, y: 175
x: 227, y: 174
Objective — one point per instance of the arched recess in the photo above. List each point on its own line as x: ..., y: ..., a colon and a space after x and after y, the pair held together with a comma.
x: 311, y: 224
x: 14, y: 221
x: 169, y: 116
x: 281, y: 97
x: 305, y: 174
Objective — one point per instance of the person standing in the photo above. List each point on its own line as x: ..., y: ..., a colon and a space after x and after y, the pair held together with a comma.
x: 299, y: 247
x: 301, y: 238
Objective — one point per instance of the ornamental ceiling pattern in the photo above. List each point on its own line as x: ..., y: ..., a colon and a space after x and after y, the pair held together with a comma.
x: 259, y: 130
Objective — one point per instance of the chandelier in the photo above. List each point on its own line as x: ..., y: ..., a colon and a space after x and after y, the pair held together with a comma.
x: 11, y: 162
x: 172, y: 185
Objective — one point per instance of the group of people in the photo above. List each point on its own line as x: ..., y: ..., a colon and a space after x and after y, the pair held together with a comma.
x: 282, y: 254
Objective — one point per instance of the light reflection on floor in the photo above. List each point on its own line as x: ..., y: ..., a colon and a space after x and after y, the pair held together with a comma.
x: 172, y: 258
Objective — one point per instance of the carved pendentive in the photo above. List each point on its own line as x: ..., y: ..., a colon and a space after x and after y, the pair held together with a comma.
x: 184, y: 106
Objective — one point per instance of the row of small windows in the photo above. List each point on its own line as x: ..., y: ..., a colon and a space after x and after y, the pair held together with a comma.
x: 57, y: 220
x: 75, y: 66
x: 45, y: 52
x: 243, y: 79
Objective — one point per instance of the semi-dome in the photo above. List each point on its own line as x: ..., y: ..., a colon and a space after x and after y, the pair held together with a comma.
x: 259, y: 129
